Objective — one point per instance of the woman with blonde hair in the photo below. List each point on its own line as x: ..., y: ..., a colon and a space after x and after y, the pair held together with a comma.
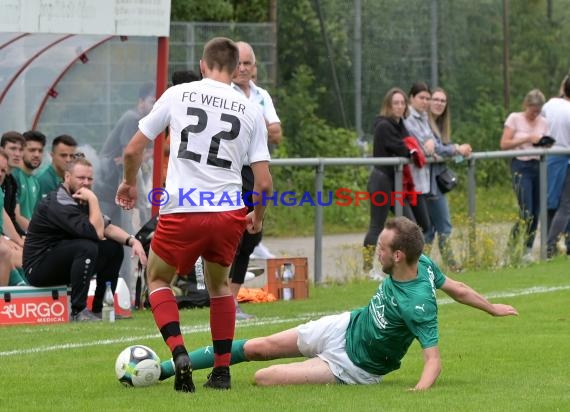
x: 438, y: 207
x: 389, y: 134
x: 522, y: 130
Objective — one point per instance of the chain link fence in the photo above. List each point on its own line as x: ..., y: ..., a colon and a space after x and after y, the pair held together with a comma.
x: 187, y: 42
x: 457, y: 44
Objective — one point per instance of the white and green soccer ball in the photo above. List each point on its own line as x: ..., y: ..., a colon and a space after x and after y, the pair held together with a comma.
x: 137, y: 366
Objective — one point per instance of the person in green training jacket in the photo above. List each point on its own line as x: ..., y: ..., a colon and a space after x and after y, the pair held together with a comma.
x: 10, y: 251
x: 62, y: 154
x: 28, y: 183
x: 362, y: 346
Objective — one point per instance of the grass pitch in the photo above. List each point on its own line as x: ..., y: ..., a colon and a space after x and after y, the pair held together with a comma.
x: 489, y: 364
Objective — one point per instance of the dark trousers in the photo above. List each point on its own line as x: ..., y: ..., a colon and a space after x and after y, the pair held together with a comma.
x: 380, y: 182
x: 248, y: 241
x: 74, y: 262
x: 526, y: 186
x: 561, y: 218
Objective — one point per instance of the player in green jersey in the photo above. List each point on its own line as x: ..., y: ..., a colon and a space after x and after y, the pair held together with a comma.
x: 62, y: 153
x: 362, y: 346
x: 28, y: 183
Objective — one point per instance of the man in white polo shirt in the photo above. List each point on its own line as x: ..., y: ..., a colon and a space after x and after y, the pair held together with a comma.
x: 250, y: 244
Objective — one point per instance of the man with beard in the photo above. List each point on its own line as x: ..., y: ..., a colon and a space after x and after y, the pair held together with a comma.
x: 69, y: 240
x: 362, y: 346
x: 250, y: 244
x: 28, y: 183
x: 62, y: 151
x: 13, y: 144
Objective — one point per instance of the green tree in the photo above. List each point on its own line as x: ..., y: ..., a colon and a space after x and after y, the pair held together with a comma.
x: 194, y: 10
x: 301, y: 42
x: 219, y: 10
x: 308, y: 135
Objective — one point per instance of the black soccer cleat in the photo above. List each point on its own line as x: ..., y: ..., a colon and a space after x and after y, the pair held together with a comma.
x: 219, y: 378
x: 183, y: 374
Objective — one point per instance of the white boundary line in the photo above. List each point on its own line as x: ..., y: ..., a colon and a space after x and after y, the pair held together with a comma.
x: 265, y: 321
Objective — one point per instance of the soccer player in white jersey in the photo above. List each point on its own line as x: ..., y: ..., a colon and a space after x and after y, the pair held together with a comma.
x: 212, y: 130
x: 362, y: 346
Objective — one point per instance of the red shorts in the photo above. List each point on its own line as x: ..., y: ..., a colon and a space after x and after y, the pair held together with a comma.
x: 180, y: 238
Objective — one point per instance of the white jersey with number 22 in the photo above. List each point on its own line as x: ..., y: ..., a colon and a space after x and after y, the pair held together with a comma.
x: 213, y: 129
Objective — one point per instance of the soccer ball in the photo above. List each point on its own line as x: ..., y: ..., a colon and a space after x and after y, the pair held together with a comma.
x: 137, y: 366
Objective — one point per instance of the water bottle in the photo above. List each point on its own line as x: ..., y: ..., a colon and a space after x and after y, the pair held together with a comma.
x: 287, y: 276
x: 199, y: 267
x: 108, y: 314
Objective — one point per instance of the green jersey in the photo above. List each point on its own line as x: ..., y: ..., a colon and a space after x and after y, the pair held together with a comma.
x: 379, y: 335
x: 29, y: 190
x: 49, y: 181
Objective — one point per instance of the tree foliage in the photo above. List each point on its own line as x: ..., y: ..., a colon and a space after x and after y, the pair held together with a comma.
x: 301, y: 41
x: 308, y: 135
x: 219, y: 10
x: 396, y: 47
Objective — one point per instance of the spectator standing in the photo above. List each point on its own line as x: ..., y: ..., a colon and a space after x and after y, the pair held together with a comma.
x: 557, y: 113
x: 521, y: 131
x: 111, y: 171
x: 213, y: 129
x: 417, y: 124
x: 111, y: 157
x: 251, y: 243
x: 438, y: 207
x: 389, y: 134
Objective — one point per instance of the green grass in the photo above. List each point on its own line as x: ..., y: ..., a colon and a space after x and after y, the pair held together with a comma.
x: 492, y: 205
x: 489, y: 364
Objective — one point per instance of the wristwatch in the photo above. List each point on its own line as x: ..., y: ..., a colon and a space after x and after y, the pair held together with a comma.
x: 128, y: 239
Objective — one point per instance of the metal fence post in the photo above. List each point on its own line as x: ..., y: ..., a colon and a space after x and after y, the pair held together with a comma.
x: 471, y: 210
x: 398, y: 171
x: 543, y: 204
x: 319, y: 184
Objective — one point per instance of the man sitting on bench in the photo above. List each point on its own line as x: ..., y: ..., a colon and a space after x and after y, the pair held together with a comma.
x: 69, y: 240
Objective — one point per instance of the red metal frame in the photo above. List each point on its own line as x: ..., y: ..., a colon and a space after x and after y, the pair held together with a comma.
x: 13, y: 40
x: 30, y: 60
x: 50, y: 92
x: 161, y: 85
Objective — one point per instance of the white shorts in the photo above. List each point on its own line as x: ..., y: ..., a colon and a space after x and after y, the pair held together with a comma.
x: 326, y: 338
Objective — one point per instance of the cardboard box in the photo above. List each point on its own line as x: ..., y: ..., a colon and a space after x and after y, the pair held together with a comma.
x: 282, y: 287
x: 35, y: 306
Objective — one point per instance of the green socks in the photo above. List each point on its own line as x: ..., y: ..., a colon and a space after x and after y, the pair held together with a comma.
x: 204, y: 358
x: 17, y: 278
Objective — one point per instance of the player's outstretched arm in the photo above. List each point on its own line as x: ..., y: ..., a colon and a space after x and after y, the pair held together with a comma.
x: 463, y: 293
x: 432, y: 368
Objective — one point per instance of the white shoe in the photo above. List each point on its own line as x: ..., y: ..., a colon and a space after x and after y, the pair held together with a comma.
x: 240, y: 315
x: 261, y: 252
x: 527, y: 258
